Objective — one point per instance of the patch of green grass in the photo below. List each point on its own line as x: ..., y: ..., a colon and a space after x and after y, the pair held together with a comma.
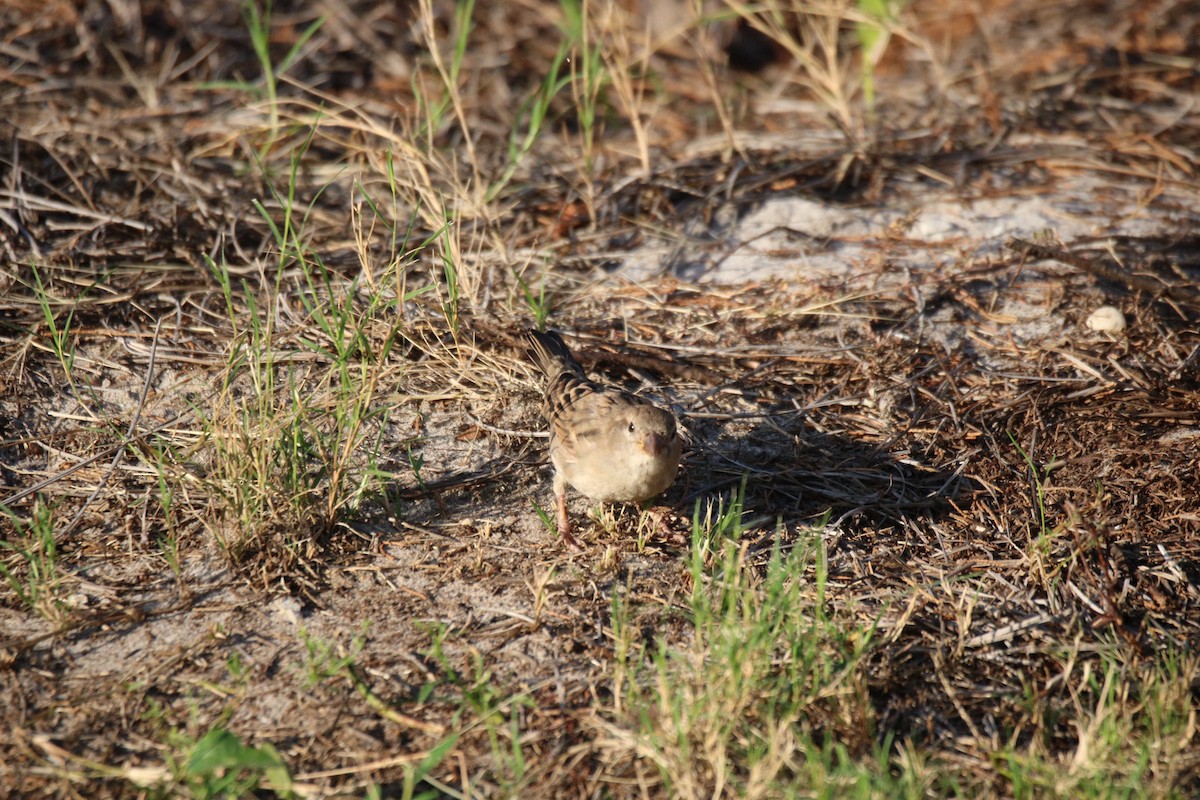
x: 499, y: 714
x: 1041, y: 544
x: 324, y: 660
x: 1040, y: 478
x: 530, y: 120
x: 34, y: 573
x: 767, y: 699
x: 263, y: 476
x: 60, y: 338
x: 450, y: 307
x: 587, y: 73
x: 873, y: 31
x: 720, y: 523
x: 218, y: 764
x: 536, y: 301
x: 164, y: 507
x: 201, y: 757
x: 258, y: 23
x: 547, y: 523
x: 297, y: 425
x: 480, y: 704
x: 1132, y: 727
x: 197, y: 766
x: 221, y: 765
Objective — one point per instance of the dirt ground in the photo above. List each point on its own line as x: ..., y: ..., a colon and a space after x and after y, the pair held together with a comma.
x: 875, y: 327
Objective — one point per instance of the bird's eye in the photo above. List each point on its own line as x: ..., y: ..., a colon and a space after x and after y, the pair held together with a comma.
x: 631, y: 426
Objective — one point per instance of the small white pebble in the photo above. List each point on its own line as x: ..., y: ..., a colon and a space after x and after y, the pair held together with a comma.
x: 1107, y: 319
x: 287, y: 609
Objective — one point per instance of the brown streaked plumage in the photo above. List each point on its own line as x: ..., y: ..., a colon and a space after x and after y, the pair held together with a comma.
x: 605, y: 443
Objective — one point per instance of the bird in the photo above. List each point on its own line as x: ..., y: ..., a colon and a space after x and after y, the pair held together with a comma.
x: 607, y: 444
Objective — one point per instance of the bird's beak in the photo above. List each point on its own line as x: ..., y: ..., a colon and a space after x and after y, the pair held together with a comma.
x: 654, y: 443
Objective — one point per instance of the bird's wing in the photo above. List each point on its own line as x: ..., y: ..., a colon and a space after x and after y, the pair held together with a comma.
x: 584, y: 413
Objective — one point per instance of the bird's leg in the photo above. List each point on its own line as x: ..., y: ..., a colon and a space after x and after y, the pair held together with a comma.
x: 564, y: 521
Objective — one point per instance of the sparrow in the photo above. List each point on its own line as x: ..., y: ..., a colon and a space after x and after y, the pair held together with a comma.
x: 605, y: 443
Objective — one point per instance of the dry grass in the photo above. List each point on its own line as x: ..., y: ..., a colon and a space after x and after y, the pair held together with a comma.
x: 267, y: 432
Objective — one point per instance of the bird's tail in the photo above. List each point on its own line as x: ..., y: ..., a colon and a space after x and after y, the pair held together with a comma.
x: 550, y: 353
